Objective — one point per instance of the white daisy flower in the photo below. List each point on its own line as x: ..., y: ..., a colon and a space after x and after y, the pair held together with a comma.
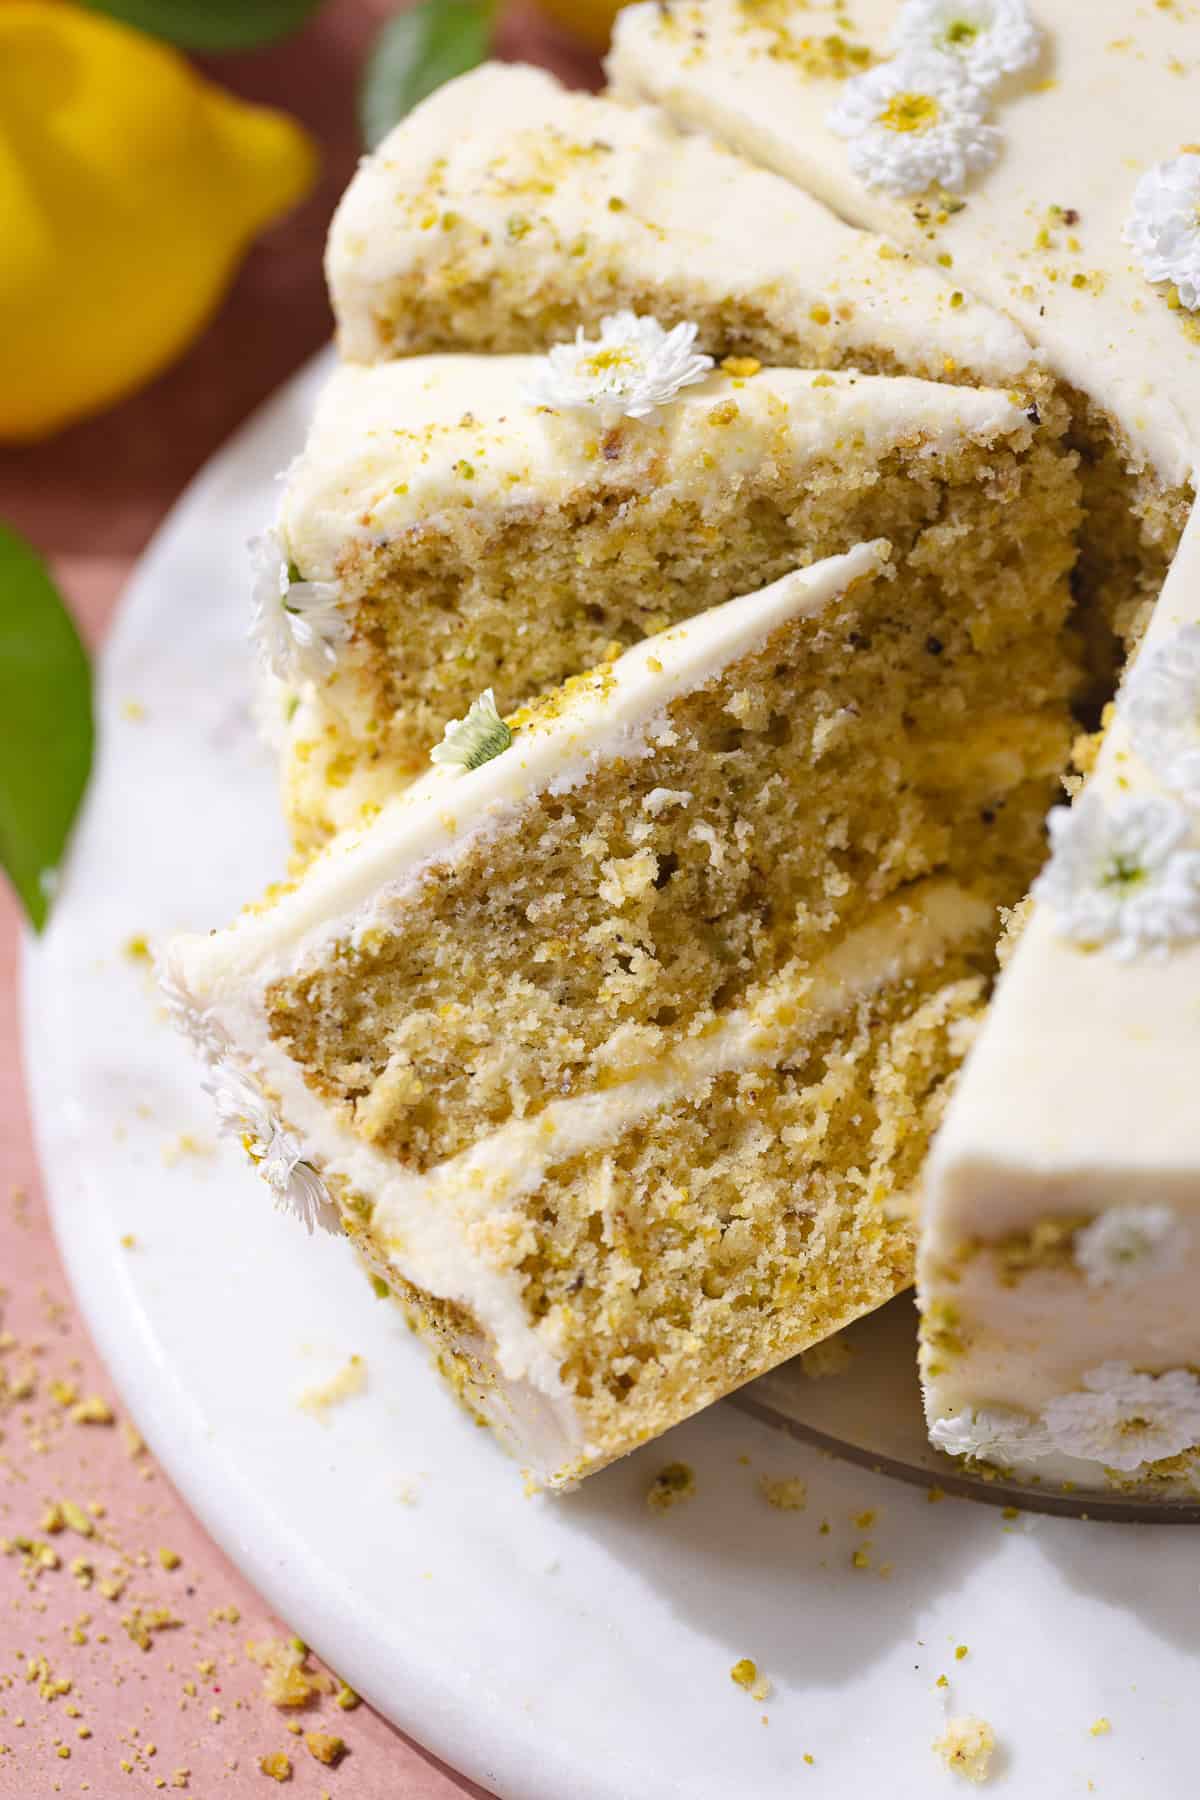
x: 1121, y: 875
x: 1123, y: 1419
x: 986, y: 38
x: 474, y: 740
x: 196, y: 1022
x: 1127, y: 1243
x: 631, y: 370
x: 243, y: 1113
x: 297, y: 625
x: 1161, y: 707
x: 996, y: 1434
x: 913, y: 123
x: 1164, y: 226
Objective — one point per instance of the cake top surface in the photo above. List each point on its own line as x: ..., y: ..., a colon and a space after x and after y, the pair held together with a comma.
x: 396, y: 446
x: 1041, y: 164
x: 506, y: 174
x: 555, y: 742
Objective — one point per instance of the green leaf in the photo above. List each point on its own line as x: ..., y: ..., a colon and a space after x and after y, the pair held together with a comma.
x: 211, y: 24
x: 415, y: 53
x: 45, y: 723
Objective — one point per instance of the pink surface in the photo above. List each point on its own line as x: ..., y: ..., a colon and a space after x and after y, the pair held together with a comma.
x: 187, y: 1713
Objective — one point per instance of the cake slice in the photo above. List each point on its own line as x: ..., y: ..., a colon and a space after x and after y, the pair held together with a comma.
x: 616, y: 1041
x: 1060, y: 1261
x: 468, y: 522
x: 506, y: 211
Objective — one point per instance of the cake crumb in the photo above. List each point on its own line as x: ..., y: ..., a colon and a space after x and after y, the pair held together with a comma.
x: 671, y: 1485
x: 93, y: 1409
x: 745, y: 1673
x: 966, y: 1748
x: 786, y: 1493
x: 325, y: 1747
x: 961, y: 1650
x: 76, y: 1518
x: 345, y: 1384
x: 286, y: 1680
x: 1101, y: 1728
x: 276, y: 1765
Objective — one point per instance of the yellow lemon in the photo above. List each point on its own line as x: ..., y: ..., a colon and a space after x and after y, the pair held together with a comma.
x: 129, y: 189
x: 589, y: 20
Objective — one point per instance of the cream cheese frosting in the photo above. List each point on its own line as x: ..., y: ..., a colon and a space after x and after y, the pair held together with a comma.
x: 1040, y: 233
x: 504, y: 177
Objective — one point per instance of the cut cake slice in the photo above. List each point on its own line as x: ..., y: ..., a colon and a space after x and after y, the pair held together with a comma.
x: 1060, y: 1260
x: 465, y: 535
x: 505, y: 211
x: 617, y: 1053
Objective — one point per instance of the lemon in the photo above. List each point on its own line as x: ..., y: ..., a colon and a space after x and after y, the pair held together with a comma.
x: 590, y: 20
x: 129, y: 189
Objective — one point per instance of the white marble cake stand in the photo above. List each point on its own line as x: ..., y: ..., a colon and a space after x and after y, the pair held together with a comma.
x: 571, y: 1649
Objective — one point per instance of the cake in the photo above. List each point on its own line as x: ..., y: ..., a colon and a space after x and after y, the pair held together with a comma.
x: 1044, y: 154
x: 616, y: 1041
x: 505, y: 212
x: 469, y: 522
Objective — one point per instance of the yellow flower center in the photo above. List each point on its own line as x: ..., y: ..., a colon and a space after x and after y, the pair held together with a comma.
x: 910, y: 112
x: 960, y: 32
x: 601, y: 361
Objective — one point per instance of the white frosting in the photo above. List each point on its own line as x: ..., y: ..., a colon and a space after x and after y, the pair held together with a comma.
x: 404, y: 446
x: 1112, y: 94
x: 526, y: 172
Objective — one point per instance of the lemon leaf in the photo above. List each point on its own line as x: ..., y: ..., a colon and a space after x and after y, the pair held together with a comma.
x: 415, y: 53
x: 46, y: 728
x: 211, y: 24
